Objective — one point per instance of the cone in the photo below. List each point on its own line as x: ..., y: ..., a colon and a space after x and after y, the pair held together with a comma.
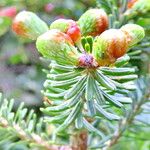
x: 109, y: 46
x: 69, y: 27
x: 28, y: 25
x: 57, y: 46
x: 134, y: 33
x: 93, y: 22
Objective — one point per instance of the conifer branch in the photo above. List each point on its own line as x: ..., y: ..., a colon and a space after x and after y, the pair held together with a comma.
x: 126, y: 122
x: 22, y: 126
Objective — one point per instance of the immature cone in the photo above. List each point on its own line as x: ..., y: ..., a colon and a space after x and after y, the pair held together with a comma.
x: 134, y: 33
x: 29, y: 25
x: 93, y: 22
x: 109, y: 46
x: 69, y: 27
x: 57, y: 46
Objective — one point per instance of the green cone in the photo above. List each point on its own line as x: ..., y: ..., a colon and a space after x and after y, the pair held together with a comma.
x: 61, y: 24
x: 57, y: 46
x: 69, y: 27
x: 134, y: 33
x: 29, y: 25
x: 109, y: 46
x: 93, y: 22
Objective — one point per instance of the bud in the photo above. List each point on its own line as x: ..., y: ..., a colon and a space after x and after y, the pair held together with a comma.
x: 69, y: 27
x: 29, y: 25
x: 87, y: 60
x: 93, y: 22
x: 8, y: 12
x: 57, y: 46
x: 109, y: 46
x: 134, y: 33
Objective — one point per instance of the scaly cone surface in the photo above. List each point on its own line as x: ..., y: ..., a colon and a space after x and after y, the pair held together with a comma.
x: 93, y: 22
x: 57, y: 46
x: 109, y: 46
x: 29, y: 25
x: 134, y: 33
x: 69, y: 27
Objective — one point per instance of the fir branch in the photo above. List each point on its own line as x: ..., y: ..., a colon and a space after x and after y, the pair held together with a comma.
x: 126, y: 122
x: 22, y: 126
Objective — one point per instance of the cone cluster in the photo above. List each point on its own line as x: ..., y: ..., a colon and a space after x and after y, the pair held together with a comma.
x: 84, y: 43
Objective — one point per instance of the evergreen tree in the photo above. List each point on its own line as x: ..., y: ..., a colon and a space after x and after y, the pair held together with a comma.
x: 97, y: 88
